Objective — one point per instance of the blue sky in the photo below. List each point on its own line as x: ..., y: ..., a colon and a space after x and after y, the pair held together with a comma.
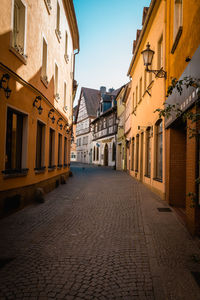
x: 107, y: 29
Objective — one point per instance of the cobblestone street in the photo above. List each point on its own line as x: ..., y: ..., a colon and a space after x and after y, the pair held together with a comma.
x: 100, y: 236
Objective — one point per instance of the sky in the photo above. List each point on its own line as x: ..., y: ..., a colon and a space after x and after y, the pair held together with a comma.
x: 107, y: 29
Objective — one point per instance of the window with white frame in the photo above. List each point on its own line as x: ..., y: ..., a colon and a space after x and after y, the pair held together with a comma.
x: 58, y: 32
x: 65, y: 96
x: 57, y: 97
x: 18, y: 36
x: 178, y: 16
x: 160, y: 53
x: 66, y: 47
x: 44, y: 61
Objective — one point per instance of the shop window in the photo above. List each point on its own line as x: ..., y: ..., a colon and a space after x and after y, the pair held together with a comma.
x: 16, y: 135
x: 19, y: 18
x: 159, y: 150
x: 137, y: 153
x: 44, y: 61
x: 132, y: 157
x: 65, y: 151
x: 51, y: 147
x: 59, y: 150
x: 40, y: 146
x: 160, y: 53
x: 148, y: 152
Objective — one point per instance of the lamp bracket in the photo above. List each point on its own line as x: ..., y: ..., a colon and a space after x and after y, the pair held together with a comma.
x: 158, y: 73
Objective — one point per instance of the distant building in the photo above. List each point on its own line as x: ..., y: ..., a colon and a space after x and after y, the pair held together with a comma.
x: 105, y: 130
x: 86, y: 112
x: 73, y: 153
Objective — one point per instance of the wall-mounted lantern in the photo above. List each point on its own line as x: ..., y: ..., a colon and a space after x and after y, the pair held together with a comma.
x: 5, y: 79
x: 37, y: 104
x: 148, y: 57
x: 51, y: 116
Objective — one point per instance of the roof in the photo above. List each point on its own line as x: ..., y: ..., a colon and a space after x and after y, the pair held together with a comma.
x: 92, y: 99
x: 75, y: 110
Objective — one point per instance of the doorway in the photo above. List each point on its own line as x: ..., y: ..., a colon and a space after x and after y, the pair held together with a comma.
x: 106, y: 155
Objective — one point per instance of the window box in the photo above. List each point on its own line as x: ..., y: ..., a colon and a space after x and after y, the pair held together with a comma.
x: 11, y: 173
x: 40, y: 170
x: 23, y: 57
x: 48, y: 5
x: 44, y: 80
x: 51, y: 168
x: 66, y: 56
x: 58, y: 34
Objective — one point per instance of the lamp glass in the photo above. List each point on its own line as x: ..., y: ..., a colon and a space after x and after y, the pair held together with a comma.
x: 147, y: 55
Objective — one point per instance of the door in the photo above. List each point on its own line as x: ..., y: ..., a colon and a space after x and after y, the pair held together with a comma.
x: 106, y: 155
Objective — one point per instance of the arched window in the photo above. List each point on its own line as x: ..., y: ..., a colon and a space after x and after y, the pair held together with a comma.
x: 159, y: 149
x: 94, y: 153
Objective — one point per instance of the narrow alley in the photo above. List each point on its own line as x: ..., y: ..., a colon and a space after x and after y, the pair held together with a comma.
x: 100, y: 236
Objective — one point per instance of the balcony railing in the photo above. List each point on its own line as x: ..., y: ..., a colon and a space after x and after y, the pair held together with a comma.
x: 106, y: 131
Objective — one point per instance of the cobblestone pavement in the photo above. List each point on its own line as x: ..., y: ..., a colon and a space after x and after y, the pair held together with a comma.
x: 100, y: 236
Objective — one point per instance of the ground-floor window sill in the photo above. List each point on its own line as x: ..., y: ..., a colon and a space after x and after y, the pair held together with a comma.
x: 51, y: 168
x: 148, y: 176
x: 40, y: 170
x: 14, y: 173
x: 158, y: 179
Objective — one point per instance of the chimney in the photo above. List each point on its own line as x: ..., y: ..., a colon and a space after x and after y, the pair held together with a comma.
x: 103, y: 90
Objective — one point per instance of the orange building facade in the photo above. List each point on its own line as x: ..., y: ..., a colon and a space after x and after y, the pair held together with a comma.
x: 182, y: 151
x: 38, y: 40
x: 146, y: 138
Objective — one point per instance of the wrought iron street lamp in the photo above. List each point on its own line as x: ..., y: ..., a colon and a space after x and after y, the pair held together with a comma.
x: 148, y: 57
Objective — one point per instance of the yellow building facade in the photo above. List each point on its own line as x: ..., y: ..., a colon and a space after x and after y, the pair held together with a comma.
x: 38, y: 40
x: 147, y: 142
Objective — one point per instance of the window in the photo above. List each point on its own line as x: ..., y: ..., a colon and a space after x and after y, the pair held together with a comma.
x: 56, y: 83
x: 148, y: 152
x: 132, y: 160
x: 134, y: 100
x: 15, y: 135
x: 18, y: 38
x: 137, y: 153
x: 66, y: 47
x: 97, y: 153
x: 40, y: 146
x: 160, y: 53
x: 113, y: 152
x: 104, y: 123
x: 51, y: 147
x: 58, y: 32
x: 136, y: 94
x: 140, y: 90
x: 59, y: 150
x: 44, y: 61
x: 65, y: 151
x: 145, y: 80
x: 178, y: 18
x: 159, y: 149
x: 65, y: 95
x: 94, y: 153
